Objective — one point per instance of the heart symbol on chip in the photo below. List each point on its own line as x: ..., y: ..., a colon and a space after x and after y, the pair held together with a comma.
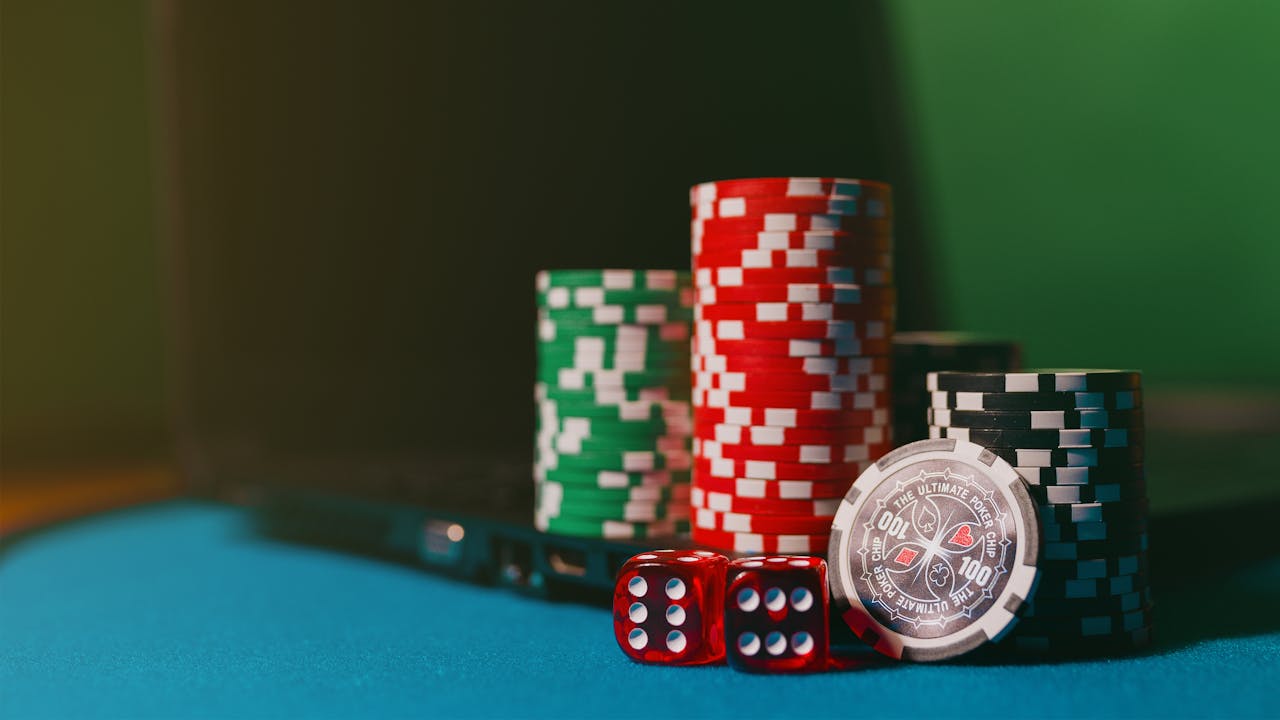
x: 963, y: 537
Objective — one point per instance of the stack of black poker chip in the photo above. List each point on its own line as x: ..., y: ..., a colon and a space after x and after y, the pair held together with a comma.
x: 916, y: 354
x: 1077, y: 438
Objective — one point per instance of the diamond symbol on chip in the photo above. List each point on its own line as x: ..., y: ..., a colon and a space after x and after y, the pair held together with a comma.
x: 906, y: 556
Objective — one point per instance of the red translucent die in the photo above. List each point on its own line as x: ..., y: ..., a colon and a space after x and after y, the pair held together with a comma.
x: 775, y: 615
x: 668, y: 605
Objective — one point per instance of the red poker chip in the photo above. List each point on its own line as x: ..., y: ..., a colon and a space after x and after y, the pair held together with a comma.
x: 788, y: 490
x: 874, y: 365
x: 793, y: 259
x: 759, y: 542
x: 790, y: 222
x: 812, y: 400
x: 789, y: 382
x: 794, y: 330
x: 773, y: 436
x: 797, y: 240
x: 795, y: 348
x: 772, y: 524
x: 806, y: 454
x: 791, y: 417
x: 729, y: 502
x: 831, y: 293
x: 789, y: 187
x: 739, y: 276
x: 756, y: 205
x: 770, y: 470
x: 793, y: 312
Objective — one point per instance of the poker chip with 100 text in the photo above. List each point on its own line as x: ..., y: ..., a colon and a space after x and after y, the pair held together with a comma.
x: 1046, y: 381
x: 1102, y: 400
x: 989, y: 529
x: 1045, y: 439
x: 809, y: 187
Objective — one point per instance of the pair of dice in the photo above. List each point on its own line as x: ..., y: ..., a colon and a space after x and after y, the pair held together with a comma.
x: 691, y: 607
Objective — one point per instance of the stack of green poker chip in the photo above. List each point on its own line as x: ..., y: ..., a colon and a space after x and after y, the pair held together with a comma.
x: 614, y: 426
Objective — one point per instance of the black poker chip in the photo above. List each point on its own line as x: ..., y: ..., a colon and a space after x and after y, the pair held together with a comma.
x: 1035, y: 419
x: 1091, y: 531
x: 1080, y: 476
x: 1069, y: 588
x: 1129, y: 512
x: 1070, y: 457
x: 1047, y: 607
x: 1118, y: 400
x: 1100, y: 624
x: 1097, y: 568
x: 1026, y: 645
x: 1047, y: 439
x: 1106, y: 493
x: 1046, y: 381
x: 1095, y: 549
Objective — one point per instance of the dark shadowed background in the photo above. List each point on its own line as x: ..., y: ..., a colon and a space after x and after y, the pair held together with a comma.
x: 291, y: 227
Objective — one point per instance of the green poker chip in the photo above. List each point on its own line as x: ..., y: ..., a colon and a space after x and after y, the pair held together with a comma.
x: 611, y: 529
x: 591, y: 494
x: 597, y: 427
x: 591, y: 296
x: 575, y: 444
x: 610, y: 279
x: 570, y: 379
x: 612, y: 479
x: 617, y: 315
x: 627, y: 461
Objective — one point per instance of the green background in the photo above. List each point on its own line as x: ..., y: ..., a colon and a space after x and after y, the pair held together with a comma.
x: 1101, y: 178
x: 1097, y: 179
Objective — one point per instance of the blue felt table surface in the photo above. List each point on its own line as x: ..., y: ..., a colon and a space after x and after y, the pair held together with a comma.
x: 179, y: 610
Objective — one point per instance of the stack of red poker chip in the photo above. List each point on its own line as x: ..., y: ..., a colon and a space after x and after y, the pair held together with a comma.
x: 794, y: 320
